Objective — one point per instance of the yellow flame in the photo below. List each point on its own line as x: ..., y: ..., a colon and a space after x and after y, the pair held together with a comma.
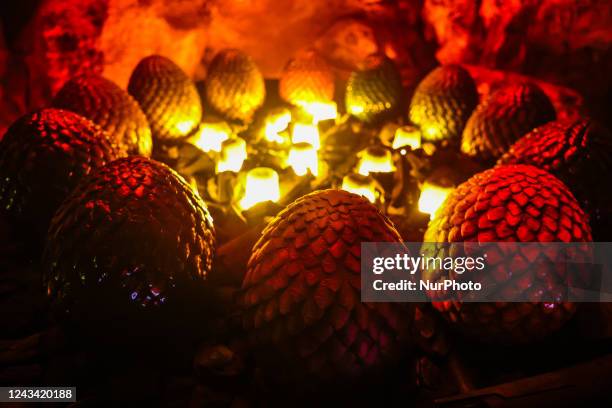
x: 432, y: 197
x: 355, y: 109
x: 362, y: 185
x: 185, y: 126
x: 407, y: 136
x: 233, y: 154
x: 302, y: 158
x: 375, y: 159
x: 210, y: 136
x: 320, y: 110
x: 262, y: 184
x: 277, y: 122
x: 307, y: 133
x: 431, y: 132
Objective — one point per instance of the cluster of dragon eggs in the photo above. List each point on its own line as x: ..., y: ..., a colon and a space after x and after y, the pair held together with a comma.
x: 510, y: 203
x: 300, y: 299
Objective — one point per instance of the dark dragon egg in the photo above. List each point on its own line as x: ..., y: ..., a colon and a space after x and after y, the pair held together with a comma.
x: 508, y: 204
x: 578, y: 152
x: 374, y: 92
x: 167, y: 96
x: 503, y: 117
x: 306, y: 78
x: 43, y: 156
x: 234, y: 85
x: 300, y: 299
x: 110, y: 107
x: 130, y: 247
x: 442, y: 103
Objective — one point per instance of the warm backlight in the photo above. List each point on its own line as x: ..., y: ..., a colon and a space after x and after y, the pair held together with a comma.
x: 262, y: 184
x: 306, y: 133
x: 303, y: 158
x: 210, y: 136
x: 432, y: 197
x: 375, y: 159
x: 362, y: 185
x: 233, y: 154
x: 407, y: 136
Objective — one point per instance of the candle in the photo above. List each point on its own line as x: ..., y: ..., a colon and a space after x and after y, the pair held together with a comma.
x: 210, y: 136
x: 407, y: 136
x: 308, y: 133
x: 362, y: 185
x: 375, y: 159
x: 276, y: 122
x: 320, y: 110
x: 432, y: 197
x: 233, y: 154
x: 262, y: 184
x: 303, y: 158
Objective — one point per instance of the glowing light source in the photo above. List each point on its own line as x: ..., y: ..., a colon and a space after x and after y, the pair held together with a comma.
x: 277, y: 122
x: 302, y: 158
x: 320, y: 110
x: 356, y: 109
x: 210, y: 136
x: 307, y: 133
x: 185, y: 126
x: 432, y: 197
x: 407, y: 136
x: 362, y: 185
x: 431, y: 132
x: 233, y: 154
x: 262, y: 184
x: 375, y: 159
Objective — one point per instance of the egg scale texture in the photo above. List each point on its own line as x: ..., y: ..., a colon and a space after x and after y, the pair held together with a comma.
x: 43, y: 156
x: 167, y: 96
x: 306, y: 78
x: 512, y: 203
x: 234, y: 85
x: 109, y: 106
x: 300, y: 299
x: 442, y: 103
x: 130, y: 245
x: 503, y: 117
x: 578, y: 152
x: 374, y: 92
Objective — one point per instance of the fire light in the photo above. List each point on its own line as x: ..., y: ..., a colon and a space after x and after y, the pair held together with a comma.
x: 432, y: 197
x: 375, y: 159
x: 277, y: 122
x: 362, y: 185
x: 307, y: 133
x: 320, y: 110
x: 211, y: 135
x: 262, y: 184
x: 407, y: 136
x: 302, y: 158
x: 233, y: 154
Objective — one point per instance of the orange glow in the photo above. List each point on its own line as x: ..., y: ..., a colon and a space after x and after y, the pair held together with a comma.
x: 362, y: 185
x: 210, y: 136
x: 303, y: 158
x: 320, y: 110
x: 185, y: 126
x: 262, y: 184
x: 432, y: 197
x: 407, y: 136
x: 277, y: 122
x: 307, y: 133
x: 233, y: 154
x: 375, y: 159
